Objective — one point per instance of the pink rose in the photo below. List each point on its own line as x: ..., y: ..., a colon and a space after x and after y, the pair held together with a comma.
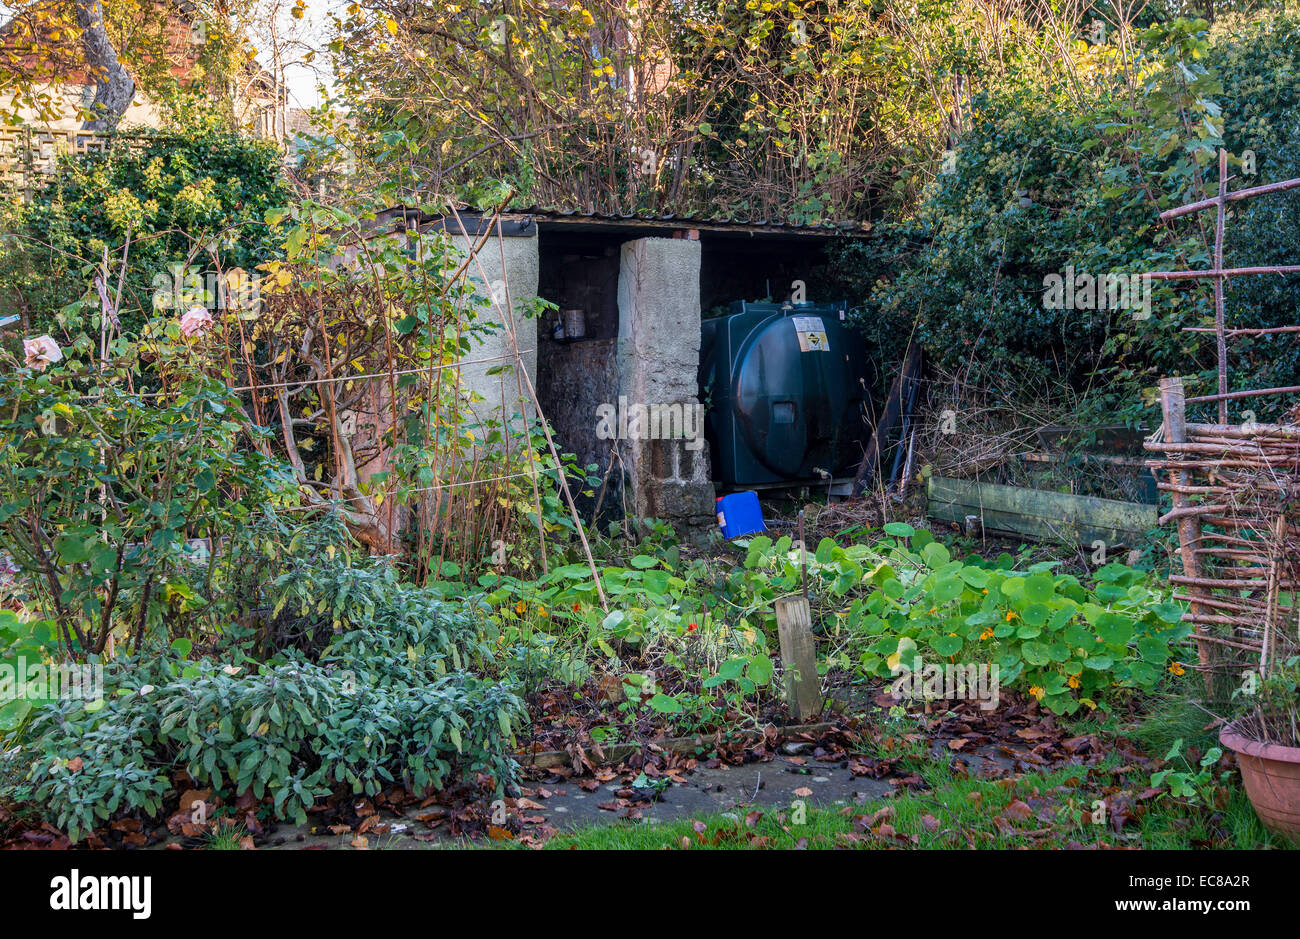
x: 41, y: 351
x: 195, y: 321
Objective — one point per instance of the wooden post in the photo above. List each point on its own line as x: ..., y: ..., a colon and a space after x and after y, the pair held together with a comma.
x: 1220, y: 324
x: 803, y: 689
x: 1173, y: 405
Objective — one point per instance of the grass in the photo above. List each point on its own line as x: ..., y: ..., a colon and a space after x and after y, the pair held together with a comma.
x: 961, y: 813
x: 225, y: 838
x: 1169, y: 716
x: 956, y: 811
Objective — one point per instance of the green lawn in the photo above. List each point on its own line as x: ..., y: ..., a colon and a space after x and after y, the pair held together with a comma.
x: 956, y: 813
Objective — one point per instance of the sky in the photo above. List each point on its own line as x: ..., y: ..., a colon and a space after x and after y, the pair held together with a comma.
x: 313, y: 28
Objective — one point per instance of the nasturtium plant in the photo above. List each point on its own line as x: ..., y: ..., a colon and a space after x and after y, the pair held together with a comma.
x: 1066, y: 642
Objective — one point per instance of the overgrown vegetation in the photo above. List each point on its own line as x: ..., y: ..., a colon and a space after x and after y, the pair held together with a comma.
x: 1064, y: 173
x: 243, y: 472
x: 389, y: 697
x: 162, y: 221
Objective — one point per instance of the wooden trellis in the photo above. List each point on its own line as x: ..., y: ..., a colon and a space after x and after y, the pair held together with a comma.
x: 1235, y: 489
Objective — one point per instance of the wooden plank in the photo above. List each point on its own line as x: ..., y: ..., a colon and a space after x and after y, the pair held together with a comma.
x: 1040, y: 514
x: 803, y: 689
x: 1039, y: 503
x: 1025, y: 526
x: 1069, y: 530
x: 1036, y: 529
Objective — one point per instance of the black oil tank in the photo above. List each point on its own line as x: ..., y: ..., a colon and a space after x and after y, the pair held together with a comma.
x: 784, y: 386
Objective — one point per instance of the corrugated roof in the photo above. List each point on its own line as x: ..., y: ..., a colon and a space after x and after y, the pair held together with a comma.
x: 717, y: 222
x: 580, y: 219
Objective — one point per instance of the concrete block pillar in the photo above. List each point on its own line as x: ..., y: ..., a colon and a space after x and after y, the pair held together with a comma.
x: 516, y: 277
x: 658, y: 366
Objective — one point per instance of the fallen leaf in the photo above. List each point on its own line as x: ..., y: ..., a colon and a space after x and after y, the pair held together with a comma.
x: 1018, y: 811
x: 875, y: 818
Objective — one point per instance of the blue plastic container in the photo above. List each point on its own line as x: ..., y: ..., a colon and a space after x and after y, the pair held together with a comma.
x: 739, y: 514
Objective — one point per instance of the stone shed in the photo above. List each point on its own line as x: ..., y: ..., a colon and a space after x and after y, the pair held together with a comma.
x: 616, y: 362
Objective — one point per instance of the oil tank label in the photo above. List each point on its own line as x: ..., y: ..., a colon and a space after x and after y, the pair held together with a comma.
x: 812, y: 334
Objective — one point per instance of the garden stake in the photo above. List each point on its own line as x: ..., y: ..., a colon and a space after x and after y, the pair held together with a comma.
x: 803, y: 559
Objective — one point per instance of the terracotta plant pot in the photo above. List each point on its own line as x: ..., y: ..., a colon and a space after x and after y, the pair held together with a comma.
x: 1271, y: 773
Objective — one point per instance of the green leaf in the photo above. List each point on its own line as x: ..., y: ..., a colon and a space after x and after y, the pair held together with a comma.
x: 935, y: 555
x: 665, y: 704
x: 73, y: 550
x: 1153, y: 649
x: 947, y: 645
x: 1035, y: 653
x: 294, y: 243
x: 1038, y: 588
x: 1114, y: 629
x: 948, y: 588
x: 1168, y: 612
x: 760, y: 669
x: 13, y: 714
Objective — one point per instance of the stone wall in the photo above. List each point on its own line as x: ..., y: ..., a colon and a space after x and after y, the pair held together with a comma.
x: 574, y: 380
x: 658, y: 365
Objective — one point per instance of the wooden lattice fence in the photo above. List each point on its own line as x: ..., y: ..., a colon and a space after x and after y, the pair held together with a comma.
x: 1235, y: 490
x: 1236, y: 501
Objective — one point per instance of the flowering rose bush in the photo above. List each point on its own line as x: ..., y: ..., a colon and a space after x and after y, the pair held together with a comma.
x: 41, y: 352
x: 195, y: 322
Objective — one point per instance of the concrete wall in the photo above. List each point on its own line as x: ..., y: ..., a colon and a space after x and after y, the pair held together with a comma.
x: 518, y: 277
x: 658, y: 364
